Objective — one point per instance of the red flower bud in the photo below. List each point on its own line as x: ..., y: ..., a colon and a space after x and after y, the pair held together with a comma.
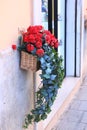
x: 14, y: 47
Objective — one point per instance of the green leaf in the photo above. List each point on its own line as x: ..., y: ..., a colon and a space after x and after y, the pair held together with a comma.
x: 48, y: 110
x: 47, y: 76
x: 30, y: 117
x: 53, y: 98
x: 37, y: 118
x: 44, y: 116
x: 44, y: 92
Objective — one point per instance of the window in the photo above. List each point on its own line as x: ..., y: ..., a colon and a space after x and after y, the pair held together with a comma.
x: 61, y: 30
x: 63, y: 19
x: 44, y: 9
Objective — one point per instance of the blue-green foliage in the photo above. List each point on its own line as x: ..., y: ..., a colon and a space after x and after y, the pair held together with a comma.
x: 52, y: 77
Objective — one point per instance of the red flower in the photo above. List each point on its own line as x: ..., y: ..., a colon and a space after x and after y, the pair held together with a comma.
x: 25, y: 38
x: 30, y: 47
x: 52, y: 44
x: 34, y: 29
x: 48, y: 39
x: 38, y: 38
x: 40, y: 52
x: 56, y: 45
x: 14, y: 47
x: 47, y: 32
x: 38, y: 44
x: 31, y: 38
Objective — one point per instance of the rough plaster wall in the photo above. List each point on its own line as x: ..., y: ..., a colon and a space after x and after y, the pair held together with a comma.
x: 15, y: 91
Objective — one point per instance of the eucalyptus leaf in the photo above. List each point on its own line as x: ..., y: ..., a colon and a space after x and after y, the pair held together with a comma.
x: 42, y: 60
x: 44, y: 92
x: 48, y: 71
x: 53, y: 77
x: 46, y: 57
x: 47, y: 76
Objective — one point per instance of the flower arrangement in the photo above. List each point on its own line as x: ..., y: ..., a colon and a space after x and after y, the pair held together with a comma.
x: 35, y: 38
x: 43, y: 44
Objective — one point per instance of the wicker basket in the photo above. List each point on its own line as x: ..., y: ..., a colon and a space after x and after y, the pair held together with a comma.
x: 28, y: 61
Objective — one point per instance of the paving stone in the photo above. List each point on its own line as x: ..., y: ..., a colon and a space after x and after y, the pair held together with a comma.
x: 80, y: 126
x: 85, y: 82
x: 82, y: 90
x: 65, y: 125
x: 75, y: 104
x: 85, y: 128
x: 72, y: 115
x: 84, y: 118
x: 75, y: 117
x: 83, y: 86
x: 82, y: 94
x: 83, y: 106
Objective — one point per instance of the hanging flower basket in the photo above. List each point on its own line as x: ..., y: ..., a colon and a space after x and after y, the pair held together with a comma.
x: 28, y: 61
x: 39, y: 45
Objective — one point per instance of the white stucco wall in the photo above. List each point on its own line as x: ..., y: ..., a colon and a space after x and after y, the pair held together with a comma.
x: 15, y: 91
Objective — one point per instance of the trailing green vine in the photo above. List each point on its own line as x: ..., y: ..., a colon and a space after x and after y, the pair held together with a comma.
x: 52, y: 76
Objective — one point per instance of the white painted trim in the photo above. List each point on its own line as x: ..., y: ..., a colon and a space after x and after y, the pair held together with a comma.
x: 70, y: 38
x: 61, y: 27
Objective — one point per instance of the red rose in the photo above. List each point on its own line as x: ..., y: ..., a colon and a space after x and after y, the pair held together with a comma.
x: 40, y: 52
x: 14, y: 47
x: 38, y: 44
x: 30, y: 47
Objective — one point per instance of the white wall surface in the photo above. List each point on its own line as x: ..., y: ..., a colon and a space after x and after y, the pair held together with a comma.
x: 15, y: 91
x: 70, y: 38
